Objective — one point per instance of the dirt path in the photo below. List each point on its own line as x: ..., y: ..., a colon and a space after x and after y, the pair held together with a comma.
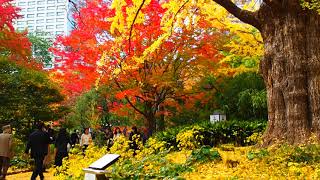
x: 27, y: 175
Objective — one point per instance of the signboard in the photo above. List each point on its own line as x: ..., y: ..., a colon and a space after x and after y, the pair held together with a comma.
x: 105, y: 161
x: 214, y: 118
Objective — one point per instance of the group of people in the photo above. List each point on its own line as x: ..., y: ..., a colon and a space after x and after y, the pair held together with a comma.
x: 110, y: 135
x: 38, y: 145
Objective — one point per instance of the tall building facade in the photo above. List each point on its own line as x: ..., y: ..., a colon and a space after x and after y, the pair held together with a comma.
x: 48, y: 17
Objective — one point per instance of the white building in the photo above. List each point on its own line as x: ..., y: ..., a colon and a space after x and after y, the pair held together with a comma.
x: 47, y: 16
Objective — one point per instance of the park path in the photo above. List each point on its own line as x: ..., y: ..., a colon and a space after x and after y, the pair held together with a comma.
x: 27, y: 175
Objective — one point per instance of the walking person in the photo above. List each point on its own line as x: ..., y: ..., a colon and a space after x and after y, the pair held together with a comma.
x: 38, y: 143
x: 61, y: 146
x: 5, y: 150
x: 47, y: 158
x: 117, y: 132
x: 86, y: 139
x: 74, y: 139
x: 134, y: 137
x: 109, y: 137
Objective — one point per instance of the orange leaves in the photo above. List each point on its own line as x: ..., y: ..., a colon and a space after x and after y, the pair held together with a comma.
x: 16, y: 44
x: 127, y: 93
x: 144, y: 66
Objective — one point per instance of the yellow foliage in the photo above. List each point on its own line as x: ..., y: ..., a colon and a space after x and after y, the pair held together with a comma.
x: 235, y: 164
x: 189, y: 139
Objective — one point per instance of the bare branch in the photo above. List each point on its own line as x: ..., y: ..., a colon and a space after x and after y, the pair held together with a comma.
x: 131, y: 27
x: 245, y: 16
x: 175, y: 15
x: 126, y: 97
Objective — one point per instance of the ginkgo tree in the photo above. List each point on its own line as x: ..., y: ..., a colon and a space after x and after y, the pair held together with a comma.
x: 147, y: 66
x: 290, y: 64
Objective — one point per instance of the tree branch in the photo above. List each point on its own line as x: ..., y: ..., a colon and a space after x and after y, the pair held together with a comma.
x: 245, y: 16
x: 127, y: 98
x: 131, y: 27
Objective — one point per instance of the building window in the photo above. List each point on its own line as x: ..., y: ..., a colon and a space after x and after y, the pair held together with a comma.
x: 30, y: 27
x: 40, y: 27
x: 50, y: 20
x: 60, y: 26
x: 31, y: 9
x: 20, y: 23
x: 59, y: 32
x: 41, y: 2
x: 40, y: 8
x: 22, y: 3
x: 49, y: 14
x: 60, y: 20
x: 40, y: 21
x: 30, y: 15
x: 61, y: 1
x: 61, y: 7
x: 51, y: 1
x: 31, y: 3
x: 20, y: 28
x: 49, y: 27
x: 40, y: 15
x: 60, y: 13
x: 30, y: 22
x: 51, y: 8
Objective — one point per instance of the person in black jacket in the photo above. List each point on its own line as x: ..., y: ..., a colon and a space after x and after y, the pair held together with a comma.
x: 74, y: 139
x: 134, y: 136
x: 61, y: 146
x: 38, y: 143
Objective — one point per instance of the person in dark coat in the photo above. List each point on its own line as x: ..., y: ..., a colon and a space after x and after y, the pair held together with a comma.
x: 74, y: 139
x: 61, y: 145
x: 134, y: 136
x: 38, y: 143
x: 109, y: 137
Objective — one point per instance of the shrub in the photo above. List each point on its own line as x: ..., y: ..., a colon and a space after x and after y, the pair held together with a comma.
x: 204, y: 154
x: 190, y: 138
x: 234, y: 132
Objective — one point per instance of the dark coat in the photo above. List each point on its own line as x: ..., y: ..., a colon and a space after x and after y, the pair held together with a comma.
x: 38, y: 143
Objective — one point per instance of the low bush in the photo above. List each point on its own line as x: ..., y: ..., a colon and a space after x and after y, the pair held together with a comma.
x: 239, y: 133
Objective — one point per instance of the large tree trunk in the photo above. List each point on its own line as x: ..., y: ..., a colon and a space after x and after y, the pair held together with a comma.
x: 291, y: 71
x: 150, y: 123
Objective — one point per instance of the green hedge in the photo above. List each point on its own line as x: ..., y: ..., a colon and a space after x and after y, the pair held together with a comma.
x: 234, y: 132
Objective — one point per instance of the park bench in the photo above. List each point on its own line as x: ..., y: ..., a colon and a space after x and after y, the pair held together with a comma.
x: 96, y: 170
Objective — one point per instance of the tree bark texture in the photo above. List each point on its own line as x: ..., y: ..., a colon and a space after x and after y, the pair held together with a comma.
x: 290, y: 68
x: 291, y: 71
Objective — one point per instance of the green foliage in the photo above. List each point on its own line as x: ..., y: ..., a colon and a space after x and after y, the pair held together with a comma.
x: 99, y: 139
x: 308, y: 154
x: 84, y: 112
x: 243, y: 97
x: 259, y: 154
x: 27, y: 96
x: 40, y: 49
x: 133, y: 169
x: 235, y: 132
x: 311, y: 4
x: 204, y: 154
